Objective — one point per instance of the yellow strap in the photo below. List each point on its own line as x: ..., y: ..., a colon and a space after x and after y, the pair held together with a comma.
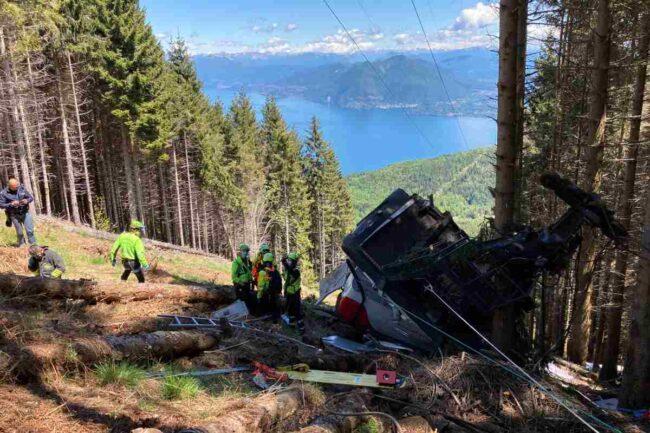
x: 304, y: 368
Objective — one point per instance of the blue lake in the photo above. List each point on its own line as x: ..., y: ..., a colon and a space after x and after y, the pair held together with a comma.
x: 370, y: 139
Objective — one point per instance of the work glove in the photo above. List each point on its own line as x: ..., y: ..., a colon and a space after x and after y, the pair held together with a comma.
x: 113, y: 262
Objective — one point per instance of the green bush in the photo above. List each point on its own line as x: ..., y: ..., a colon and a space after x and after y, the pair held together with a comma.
x: 180, y: 387
x: 370, y: 426
x: 123, y: 373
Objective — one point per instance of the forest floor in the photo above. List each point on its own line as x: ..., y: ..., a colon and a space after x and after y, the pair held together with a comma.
x: 46, y: 386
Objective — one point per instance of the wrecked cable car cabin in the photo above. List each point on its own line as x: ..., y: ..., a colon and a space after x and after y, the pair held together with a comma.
x: 412, y: 272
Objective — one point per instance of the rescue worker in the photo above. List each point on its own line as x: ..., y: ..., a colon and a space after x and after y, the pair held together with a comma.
x: 257, y: 262
x: 15, y: 200
x: 131, y: 248
x: 291, y: 275
x: 242, y: 277
x: 45, y: 263
x: 269, y: 287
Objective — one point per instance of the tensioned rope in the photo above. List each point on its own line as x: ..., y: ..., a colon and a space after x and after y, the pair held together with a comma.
x: 442, y: 81
x: 517, y: 372
x: 377, y: 73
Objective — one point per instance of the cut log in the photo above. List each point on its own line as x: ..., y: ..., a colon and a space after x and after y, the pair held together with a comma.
x: 257, y: 415
x: 19, y: 285
x: 88, y: 351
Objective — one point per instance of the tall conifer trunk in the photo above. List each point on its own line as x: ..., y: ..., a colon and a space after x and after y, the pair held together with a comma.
x: 503, y: 325
x: 82, y: 144
x: 162, y: 182
x: 67, y: 148
x: 624, y: 214
x: 592, y: 162
x: 41, y: 144
x: 179, y: 210
x: 189, y: 191
x: 15, y: 119
x: 635, y: 390
x: 128, y: 173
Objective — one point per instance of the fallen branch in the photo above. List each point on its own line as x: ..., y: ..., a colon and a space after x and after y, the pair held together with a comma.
x: 257, y: 415
x: 19, y: 285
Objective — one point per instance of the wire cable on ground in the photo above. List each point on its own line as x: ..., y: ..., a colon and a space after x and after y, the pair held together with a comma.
x: 377, y: 73
x: 515, y: 373
x: 518, y: 371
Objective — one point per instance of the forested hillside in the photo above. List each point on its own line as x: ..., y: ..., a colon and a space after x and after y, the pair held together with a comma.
x: 103, y: 126
x: 581, y: 109
x: 459, y: 183
x: 412, y: 80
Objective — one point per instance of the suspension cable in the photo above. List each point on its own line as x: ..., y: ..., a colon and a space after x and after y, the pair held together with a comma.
x: 377, y: 73
x: 522, y: 372
x: 442, y: 81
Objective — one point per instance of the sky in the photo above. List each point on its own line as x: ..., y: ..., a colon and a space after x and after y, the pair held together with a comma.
x: 300, y: 26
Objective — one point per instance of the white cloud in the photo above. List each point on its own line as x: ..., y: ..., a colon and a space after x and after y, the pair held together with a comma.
x: 475, y: 26
x: 340, y: 43
x: 470, y: 29
x: 275, y: 45
x: 264, y: 28
x: 479, y: 16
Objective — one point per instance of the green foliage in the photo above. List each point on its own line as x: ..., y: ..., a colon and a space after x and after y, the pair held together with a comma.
x: 102, y: 221
x: 370, y: 426
x: 459, y: 183
x: 180, y: 387
x: 331, y: 208
x: 121, y: 374
x: 287, y: 194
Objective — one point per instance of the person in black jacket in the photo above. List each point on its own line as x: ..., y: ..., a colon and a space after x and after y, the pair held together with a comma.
x: 15, y: 200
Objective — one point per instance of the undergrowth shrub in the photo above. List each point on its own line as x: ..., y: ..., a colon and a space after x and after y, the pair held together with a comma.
x: 180, y: 387
x: 122, y: 374
x: 370, y: 426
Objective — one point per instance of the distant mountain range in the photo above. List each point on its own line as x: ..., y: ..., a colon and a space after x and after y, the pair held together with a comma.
x: 414, y: 83
x: 458, y: 182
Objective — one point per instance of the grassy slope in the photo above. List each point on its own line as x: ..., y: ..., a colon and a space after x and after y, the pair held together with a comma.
x: 87, y: 257
x: 459, y: 183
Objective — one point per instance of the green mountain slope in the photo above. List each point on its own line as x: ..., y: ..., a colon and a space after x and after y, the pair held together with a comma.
x: 412, y: 80
x: 459, y: 183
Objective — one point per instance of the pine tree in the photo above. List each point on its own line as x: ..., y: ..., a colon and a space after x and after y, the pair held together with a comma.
x: 244, y: 159
x: 287, y: 196
x: 331, y: 208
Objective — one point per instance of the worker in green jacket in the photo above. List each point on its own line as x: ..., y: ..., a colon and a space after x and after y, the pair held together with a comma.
x: 269, y: 287
x: 131, y: 248
x: 291, y: 276
x: 242, y: 277
x: 257, y: 261
x: 45, y: 263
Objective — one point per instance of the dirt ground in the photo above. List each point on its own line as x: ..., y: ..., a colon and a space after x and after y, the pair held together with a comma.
x: 42, y: 393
